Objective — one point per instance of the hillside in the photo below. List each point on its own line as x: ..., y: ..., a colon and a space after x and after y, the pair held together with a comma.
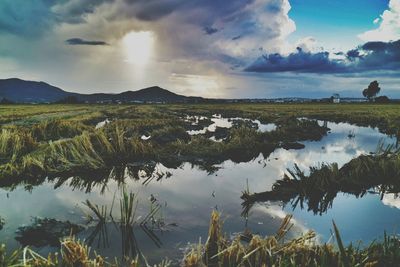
x: 20, y: 91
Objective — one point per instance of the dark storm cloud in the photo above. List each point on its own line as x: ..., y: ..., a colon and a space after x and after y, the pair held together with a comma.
x: 34, y: 17
x: 79, y: 41
x: 29, y: 18
x: 73, y: 11
x: 381, y: 55
x: 151, y: 10
x: 296, y: 62
x: 210, y: 30
x: 372, y: 56
x: 353, y: 54
x: 196, y: 11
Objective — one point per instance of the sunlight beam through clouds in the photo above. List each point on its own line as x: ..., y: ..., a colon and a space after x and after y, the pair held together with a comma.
x: 139, y: 47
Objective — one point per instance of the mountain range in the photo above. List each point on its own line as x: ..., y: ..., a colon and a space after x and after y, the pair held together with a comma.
x: 21, y: 91
x: 15, y: 90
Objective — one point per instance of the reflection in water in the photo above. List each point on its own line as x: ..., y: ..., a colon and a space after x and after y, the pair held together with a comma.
x: 218, y: 122
x: 46, y: 232
x: 191, y: 194
x: 127, y: 223
x: 391, y: 199
x: 379, y: 171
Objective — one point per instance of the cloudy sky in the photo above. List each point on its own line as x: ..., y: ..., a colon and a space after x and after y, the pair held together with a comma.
x: 212, y: 48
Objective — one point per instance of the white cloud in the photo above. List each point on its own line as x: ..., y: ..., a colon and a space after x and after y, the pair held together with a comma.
x: 391, y: 200
x: 389, y: 27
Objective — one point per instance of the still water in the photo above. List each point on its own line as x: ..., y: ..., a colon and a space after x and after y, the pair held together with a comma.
x: 186, y: 196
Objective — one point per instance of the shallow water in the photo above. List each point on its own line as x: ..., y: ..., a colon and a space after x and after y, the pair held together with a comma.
x: 189, y: 195
x: 219, y: 121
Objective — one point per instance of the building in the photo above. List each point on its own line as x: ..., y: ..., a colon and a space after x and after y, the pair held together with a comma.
x: 336, y: 98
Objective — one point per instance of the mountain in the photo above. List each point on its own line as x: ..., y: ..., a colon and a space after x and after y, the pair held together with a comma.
x: 150, y: 94
x: 20, y: 91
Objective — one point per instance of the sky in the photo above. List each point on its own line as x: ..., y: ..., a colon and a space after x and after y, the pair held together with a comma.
x: 209, y: 48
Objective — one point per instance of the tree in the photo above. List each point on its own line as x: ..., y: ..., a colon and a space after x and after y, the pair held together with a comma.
x: 372, y: 90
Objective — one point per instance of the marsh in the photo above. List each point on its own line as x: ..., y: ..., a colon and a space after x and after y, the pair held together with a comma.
x: 177, y: 177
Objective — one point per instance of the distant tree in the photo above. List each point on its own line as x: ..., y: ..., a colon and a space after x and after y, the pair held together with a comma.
x: 6, y: 101
x: 372, y: 90
x: 382, y: 99
x: 69, y: 100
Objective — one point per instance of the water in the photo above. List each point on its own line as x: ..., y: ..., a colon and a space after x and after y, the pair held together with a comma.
x: 219, y: 121
x: 189, y: 194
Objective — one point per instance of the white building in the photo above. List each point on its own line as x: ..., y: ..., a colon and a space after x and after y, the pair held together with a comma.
x: 336, y: 98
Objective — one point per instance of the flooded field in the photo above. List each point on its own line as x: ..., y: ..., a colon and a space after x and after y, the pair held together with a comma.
x: 166, y: 200
x: 186, y: 197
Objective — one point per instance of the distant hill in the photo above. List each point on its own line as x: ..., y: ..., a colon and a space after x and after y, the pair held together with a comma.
x: 20, y: 91
x: 150, y: 94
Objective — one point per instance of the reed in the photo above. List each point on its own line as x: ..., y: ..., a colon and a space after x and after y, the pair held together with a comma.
x: 57, y: 129
x: 128, y: 206
x: 15, y: 143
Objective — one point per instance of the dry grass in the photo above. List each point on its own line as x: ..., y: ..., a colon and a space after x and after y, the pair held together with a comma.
x: 301, y: 251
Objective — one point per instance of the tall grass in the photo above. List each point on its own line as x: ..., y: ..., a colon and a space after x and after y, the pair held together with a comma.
x: 14, y: 144
x: 57, y: 129
x: 88, y: 151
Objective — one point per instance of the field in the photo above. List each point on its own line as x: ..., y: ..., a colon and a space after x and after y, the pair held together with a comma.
x: 90, y: 146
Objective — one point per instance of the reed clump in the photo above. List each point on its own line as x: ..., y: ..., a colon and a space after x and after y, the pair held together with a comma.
x: 15, y: 143
x: 88, y: 151
x: 73, y: 253
x: 57, y: 129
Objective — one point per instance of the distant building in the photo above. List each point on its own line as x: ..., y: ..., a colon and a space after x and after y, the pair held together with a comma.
x: 336, y: 98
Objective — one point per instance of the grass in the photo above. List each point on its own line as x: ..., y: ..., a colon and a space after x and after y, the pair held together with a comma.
x: 72, y: 253
x: 14, y: 144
